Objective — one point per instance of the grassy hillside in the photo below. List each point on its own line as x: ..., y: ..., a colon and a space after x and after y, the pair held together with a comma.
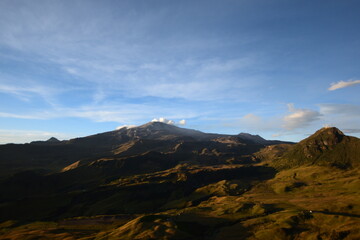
x: 194, y: 190
x: 327, y: 147
x: 318, y: 203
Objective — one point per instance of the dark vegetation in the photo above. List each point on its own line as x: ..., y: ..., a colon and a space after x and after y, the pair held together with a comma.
x: 159, y: 181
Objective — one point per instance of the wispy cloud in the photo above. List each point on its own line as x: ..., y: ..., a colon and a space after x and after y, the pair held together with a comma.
x: 257, y: 123
x: 219, y: 66
x: 24, y: 116
x: 130, y: 62
x: 25, y: 93
x: 120, y: 59
x: 25, y: 136
x: 340, y: 109
x: 299, y: 118
x: 343, y: 84
x: 343, y: 116
x: 125, y: 113
x: 351, y: 130
x: 197, y: 90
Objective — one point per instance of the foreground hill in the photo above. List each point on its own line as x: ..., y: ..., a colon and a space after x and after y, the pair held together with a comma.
x: 159, y: 181
x: 327, y: 147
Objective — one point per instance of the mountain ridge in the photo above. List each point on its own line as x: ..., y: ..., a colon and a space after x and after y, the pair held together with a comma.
x: 54, y: 156
x: 170, y: 183
x: 159, y: 130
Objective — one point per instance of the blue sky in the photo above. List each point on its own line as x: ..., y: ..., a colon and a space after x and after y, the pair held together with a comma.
x: 280, y: 69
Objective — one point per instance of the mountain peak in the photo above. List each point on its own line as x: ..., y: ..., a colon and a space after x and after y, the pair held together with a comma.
x: 164, y: 131
x: 156, y: 124
x: 326, y: 136
x: 321, y: 141
x: 254, y: 138
x: 53, y: 139
x: 330, y: 130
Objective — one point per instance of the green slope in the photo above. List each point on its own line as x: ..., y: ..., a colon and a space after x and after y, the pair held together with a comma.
x: 327, y: 147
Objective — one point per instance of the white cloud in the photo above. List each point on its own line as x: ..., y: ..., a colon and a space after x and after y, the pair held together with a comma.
x: 163, y: 120
x: 343, y: 84
x: 299, y: 118
x: 125, y: 126
x: 171, y: 122
x: 327, y: 125
x: 182, y: 122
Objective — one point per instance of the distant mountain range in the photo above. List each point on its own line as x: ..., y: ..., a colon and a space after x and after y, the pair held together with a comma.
x: 53, y: 155
x: 159, y: 181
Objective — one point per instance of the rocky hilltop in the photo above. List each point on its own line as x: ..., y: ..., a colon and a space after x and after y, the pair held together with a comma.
x: 326, y: 147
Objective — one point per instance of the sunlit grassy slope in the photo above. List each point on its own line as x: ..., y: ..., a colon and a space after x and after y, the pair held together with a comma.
x: 278, y: 208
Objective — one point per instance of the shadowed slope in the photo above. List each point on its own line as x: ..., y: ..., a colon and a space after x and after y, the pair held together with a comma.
x: 52, y: 155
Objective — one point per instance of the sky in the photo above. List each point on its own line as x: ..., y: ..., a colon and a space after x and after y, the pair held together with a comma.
x: 280, y: 69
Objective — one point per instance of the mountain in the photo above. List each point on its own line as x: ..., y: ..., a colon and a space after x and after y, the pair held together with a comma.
x: 53, y: 155
x: 254, y: 138
x: 258, y: 139
x: 163, y: 131
x: 328, y: 147
x: 51, y: 140
x: 159, y: 181
x: 149, y: 131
